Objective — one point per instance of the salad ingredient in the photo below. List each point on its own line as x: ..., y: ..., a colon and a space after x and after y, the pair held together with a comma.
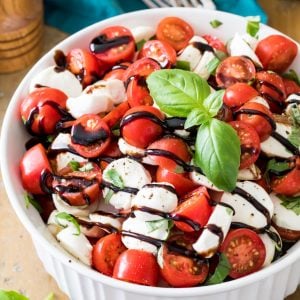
x: 215, y: 23
x: 253, y: 25
x: 216, y: 44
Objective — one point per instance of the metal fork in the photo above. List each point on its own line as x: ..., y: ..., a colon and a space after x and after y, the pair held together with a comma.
x: 209, y: 4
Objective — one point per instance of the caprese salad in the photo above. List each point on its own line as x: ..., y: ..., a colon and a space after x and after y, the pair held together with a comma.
x: 165, y: 157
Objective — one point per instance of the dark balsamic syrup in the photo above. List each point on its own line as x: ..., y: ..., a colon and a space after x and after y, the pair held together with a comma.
x: 102, y: 43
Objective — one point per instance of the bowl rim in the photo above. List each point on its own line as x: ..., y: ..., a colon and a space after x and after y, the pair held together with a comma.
x: 76, y: 265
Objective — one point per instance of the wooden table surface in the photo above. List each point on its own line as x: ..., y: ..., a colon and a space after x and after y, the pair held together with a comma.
x: 20, y: 269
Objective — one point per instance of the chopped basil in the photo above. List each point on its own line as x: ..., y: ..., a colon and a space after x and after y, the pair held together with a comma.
x: 294, y: 136
x: 116, y: 132
x: 11, y: 295
x: 276, y: 166
x: 108, y: 196
x: 215, y: 23
x: 69, y: 218
x: 114, y: 177
x: 183, y: 65
x: 295, y: 113
x: 157, y: 224
x: 74, y: 165
x: 30, y: 200
x: 253, y: 25
x: 212, y: 65
x: 178, y: 169
x: 292, y: 203
x: 86, y: 167
x: 24, y: 120
x: 292, y: 75
x: 140, y: 44
x: 50, y: 138
x: 221, y: 272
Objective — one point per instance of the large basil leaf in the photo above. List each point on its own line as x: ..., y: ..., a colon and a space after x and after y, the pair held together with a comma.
x: 214, y: 102
x: 218, y: 153
x: 11, y: 295
x: 196, y: 117
x: 177, y: 92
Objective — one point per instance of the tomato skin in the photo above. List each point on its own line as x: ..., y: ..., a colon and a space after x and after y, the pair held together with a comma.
x: 137, y: 266
x: 276, y: 52
x: 117, y: 72
x: 45, y: 103
x: 32, y: 164
x: 245, y: 251
x: 260, y: 124
x: 250, y: 143
x: 194, y: 206
x: 238, y: 94
x: 235, y: 69
x: 114, y: 116
x: 113, y: 45
x: 291, y: 87
x: 288, y: 234
x: 182, y: 271
x: 106, y: 252
x: 141, y: 132
x: 215, y: 43
x: 181, y: 182
x: 174, y: 31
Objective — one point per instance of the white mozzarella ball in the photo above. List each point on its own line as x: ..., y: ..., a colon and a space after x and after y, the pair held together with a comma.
x: 64, y: 158
x: 250, y: 173
x: 203, y: 180
x: 142, y: 33
x: 105, y: 219
x: 130, y: 150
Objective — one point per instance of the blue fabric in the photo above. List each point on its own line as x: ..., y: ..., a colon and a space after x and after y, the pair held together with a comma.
x: 73, y: 15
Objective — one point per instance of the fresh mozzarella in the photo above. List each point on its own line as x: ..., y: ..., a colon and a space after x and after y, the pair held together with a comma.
x: 250, y: 173
x: 132, y: 173
x: 52, y: 223
x: 272, y: 148
x: 89, y: 229
x: 260, y: 100
x: 142, y: 33
x: 62, y: 80
x: 209, y: 242
x: 64, y: 158
x: 182, y: 133
x: 77, y: 244
x: 130, y: 150
x: 245, y: 212
x: 105, y: 219
x: 292, y: 101
x: 284, y: 217
x: 203, y: 180
x: 239, y: 47
x: 62, y: 141
x: 202, y: 67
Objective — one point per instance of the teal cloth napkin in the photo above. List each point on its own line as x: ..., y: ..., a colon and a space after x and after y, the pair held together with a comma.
x: 73, y: 15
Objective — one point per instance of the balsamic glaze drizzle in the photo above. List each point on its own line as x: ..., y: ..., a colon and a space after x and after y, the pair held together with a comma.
x: 102, y: 43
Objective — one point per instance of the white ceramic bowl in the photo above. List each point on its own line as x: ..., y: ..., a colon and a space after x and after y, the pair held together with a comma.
x: 77, y: 280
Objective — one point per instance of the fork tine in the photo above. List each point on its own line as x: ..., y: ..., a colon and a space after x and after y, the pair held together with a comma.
x: 197, y: 3
x: 150, y: 3
x: 162, y: 3
x: 186, y: 3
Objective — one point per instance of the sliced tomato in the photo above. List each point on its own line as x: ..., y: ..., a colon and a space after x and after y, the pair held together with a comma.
x: 172, y: 146
x: 137, y: 266
x: 42, y: 109
x: 90, y: 135
x: 114, y: 116
x: 182, y: 271
x: 215, y: 43
x: 106, y: 252
x: 32, y: 164
x: 174, y: 31
x: 235, y: 69
x: 276, y: 52
x: 112, y: 150
x: 180, y: 181
x: 194, y: 206
x: 245, y: 251
x: 272, y: 89
x: 113, y: 45
x: 238, y: 94
x: 117, y: 71
x: 250, y: 143
x: 141, y: 131
x: 260, y: 123
x: 161, y: 51
x: 291, y: 87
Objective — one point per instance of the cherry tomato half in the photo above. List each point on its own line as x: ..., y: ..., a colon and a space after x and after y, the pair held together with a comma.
x: 291, y: 87
x: 250, y: 143
x: 117, y: 72
x: 245, y: 251
x: 106, y: 252
x: 276, y: 52
x: 90, y: 135
x: 215, y: 43
x: 32, y: 164
x: 174, y: 31
x: 235, y: 69
x: 137, y: 266
x: 114, y: 116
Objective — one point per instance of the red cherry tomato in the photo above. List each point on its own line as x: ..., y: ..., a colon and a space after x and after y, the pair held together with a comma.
x: 182, y: 271
x: 250, y: 143
x: 142, y: 131
x: 291, y: 87
x: 32, y: 164
x: 137, y: 266
x: 174, y: 31
x: 180, y: 181
x: 84, y: 65
x: 261, y: 124
x: 194, y: 206
x: 161, y: 51
x: 271, y: 87
x: 276, y: 52
x: 106, y: 252
x: 113, y: 45
x: 245, y: 251
x: 174, y: 146
x: 90, y: 135
x: 117, y: 72
x: 114, y: 116
x: 238, y: 94
x: 215, y: 43
x: 235, y: 69
x: 42, y: 109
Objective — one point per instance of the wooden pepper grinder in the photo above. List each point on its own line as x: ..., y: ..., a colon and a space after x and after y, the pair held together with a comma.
x: 21, y: 26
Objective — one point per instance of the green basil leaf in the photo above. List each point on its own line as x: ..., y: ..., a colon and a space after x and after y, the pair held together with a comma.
x: 74, y: 165
x: 157, y: 224
x: 177, y: 92
x: 212, y: 65
x: 108, y: 196
x: 221, y: 272
x: 294, y: 136
x: 292, y: 203
x: 140, y: 44
x: 253, y: 25
x: 51, y: 296
x: 50, y: 138
x: 295, y: 112
x: 178, y: 169
x: 196, y: 117
x: 30, y: 200
x: 276, y: 166
x: 214, y: 102
x: 69, y: 218
x: 113, y: 176
x: 87, y: 167
x: 217, y: 153
x: 215, y: 23
x: 292, y: 75
x: 11, y: 295
x: 183, y: 65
